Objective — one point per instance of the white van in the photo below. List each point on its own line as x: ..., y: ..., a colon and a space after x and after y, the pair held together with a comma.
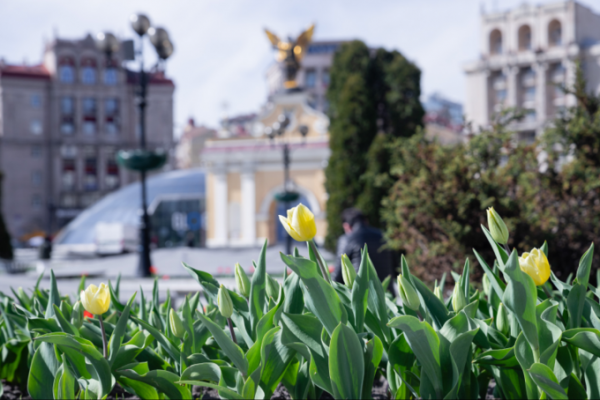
x: 115, y: 238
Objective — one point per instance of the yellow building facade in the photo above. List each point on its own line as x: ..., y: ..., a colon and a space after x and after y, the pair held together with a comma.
x: 245, y: 173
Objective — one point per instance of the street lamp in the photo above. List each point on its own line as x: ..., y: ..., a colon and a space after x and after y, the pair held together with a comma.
x: 278, y: 128
x: 141, y: 160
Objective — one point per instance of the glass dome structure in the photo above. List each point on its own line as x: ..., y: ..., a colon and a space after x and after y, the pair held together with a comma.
x: 123, y: 206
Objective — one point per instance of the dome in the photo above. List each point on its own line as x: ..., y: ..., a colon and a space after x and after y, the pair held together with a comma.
x: 123, y: 205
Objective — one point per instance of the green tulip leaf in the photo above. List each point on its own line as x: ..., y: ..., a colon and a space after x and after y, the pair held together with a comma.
x: 373, y: 354
x: 116, y: 338
x: 575, y: 305
x: 587, y: 339
x: 500, y: 357
x: 130, y: 350
x: 89, y: 351
x: 166, y: 344
x: 360, y: 291
x: 206, y: 371
x: 346, y: 363
x: 543, y: 376
x: 495, y: 281
x: 318, y: 293
x: 258, y: 289
x: 64, y: 383
x: 54, y: 296
x: 165, y: 381
x: 425, y: 343
x: 526, y: 359
x: 276, y: 358
x: 232, y: 350
x: 520, y: 297
x: 44, y: 366
x: 585, y: 267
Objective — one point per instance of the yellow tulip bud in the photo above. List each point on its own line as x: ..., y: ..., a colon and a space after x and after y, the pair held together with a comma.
x: 224, y: 302
x: 408, y: 294
x: 438, y: 293
x: 497, y: 226
x: 487, y: 286
x: 348, y: 271
x: 77, y: 315
x: 502, y: 320
x: 176, y: 325
x: 300, y: 223
x: 272, y: 288
x: 458, y: 299
x: 535, y: 264
x: 242, y: 281
x: 96, y: 300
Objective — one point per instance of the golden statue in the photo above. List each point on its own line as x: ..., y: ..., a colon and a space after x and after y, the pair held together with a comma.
x: 291, y: 53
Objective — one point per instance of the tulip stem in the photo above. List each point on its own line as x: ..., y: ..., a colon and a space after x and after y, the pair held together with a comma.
x: 104, y: 345
x: 557, y: 311
x: 313, y: 247
x: 231, y: 330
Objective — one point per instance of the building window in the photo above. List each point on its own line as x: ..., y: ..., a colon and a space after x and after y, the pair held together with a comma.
x: 110, y: 76
x: 496, y: 42
x: 36, y: 101
x: 555, y: 33
x: 69, y: 201
x: 311, y: 78
x: 325, y: 77
x: 36, y: 202
x: 36, y: 151
x: 88, y: 75
x: 36, y: 178
x: 67, y: 113
x: 90, y: 181
x: 66, y: 70
x: 557, y: 77
x: 524, y: 38
x: 498, y: 90
x: 68, y: 175
x: 527, y: 86
x: 89, y: 116
x: 112, y: 174
x: 111, y: 116
x: 68, y: 151
x: 530, y: 116
x: 36, y: 127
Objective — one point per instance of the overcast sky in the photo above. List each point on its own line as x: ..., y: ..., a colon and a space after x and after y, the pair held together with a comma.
x: 221, y: 52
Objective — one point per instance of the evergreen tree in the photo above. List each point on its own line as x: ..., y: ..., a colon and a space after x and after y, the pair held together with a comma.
x: 374, y: 98
x: 352, y: 129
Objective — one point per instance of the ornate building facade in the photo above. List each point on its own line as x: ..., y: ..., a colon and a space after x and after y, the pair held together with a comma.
x: 61, y: 123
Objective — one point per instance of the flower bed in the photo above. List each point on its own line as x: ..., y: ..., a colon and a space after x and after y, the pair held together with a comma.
x: 532, y: 334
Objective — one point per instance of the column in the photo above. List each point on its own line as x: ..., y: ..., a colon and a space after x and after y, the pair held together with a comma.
x: 512, y: 86
x: 540, y: 93
x: 220, y: 197
x: 248, y: 208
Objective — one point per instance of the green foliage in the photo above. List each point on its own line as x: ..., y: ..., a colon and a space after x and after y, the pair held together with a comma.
x: 328, y: 338
x: 548, y: 190
x: 373, y: 98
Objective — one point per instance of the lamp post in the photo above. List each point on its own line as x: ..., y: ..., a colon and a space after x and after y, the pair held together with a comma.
x: 141, y: 159
x: 289, y: 194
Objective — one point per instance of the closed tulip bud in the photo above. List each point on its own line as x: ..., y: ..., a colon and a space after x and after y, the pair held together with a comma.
x: 408, y: 294
x: 458, y: 299
x: 497, y: 226
x: 348, y: 271
x: 96, y: 300
x: 242, y: 281
x: 487, y: 286
x: 77, y: 315
x: 272, y: 288
x: 224, y: 302
x: 300, y: 223
x: 176, y: 324
x: 502, y: 320
x: 535, y: 264
x: 438, y: 293
x: 155, y: 320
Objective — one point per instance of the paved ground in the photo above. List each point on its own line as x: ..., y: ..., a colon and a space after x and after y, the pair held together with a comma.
x: 172, y: 276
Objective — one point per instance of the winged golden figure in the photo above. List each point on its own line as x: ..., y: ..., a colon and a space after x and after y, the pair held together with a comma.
x: 290, y: 53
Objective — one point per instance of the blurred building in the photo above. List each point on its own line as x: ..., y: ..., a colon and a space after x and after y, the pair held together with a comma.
x: 527, y: 53
x: 245, y: 172
x: 240, y: 125
x: 191, y: 144
x: 62, y: 121
x: 313, y: 75
x: 443, y: 119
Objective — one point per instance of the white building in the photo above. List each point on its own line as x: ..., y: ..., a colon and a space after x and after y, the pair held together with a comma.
x: 526, y: 54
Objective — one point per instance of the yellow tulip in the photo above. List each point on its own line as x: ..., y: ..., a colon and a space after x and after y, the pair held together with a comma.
x: 300, y: 223
x: 96, y: 300
x: 535, y: 264
x: 498, y: 228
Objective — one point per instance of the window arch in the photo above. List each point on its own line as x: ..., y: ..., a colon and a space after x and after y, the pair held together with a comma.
x: 496, y: 42
x: 554, y: 33
x: 524, y: 38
